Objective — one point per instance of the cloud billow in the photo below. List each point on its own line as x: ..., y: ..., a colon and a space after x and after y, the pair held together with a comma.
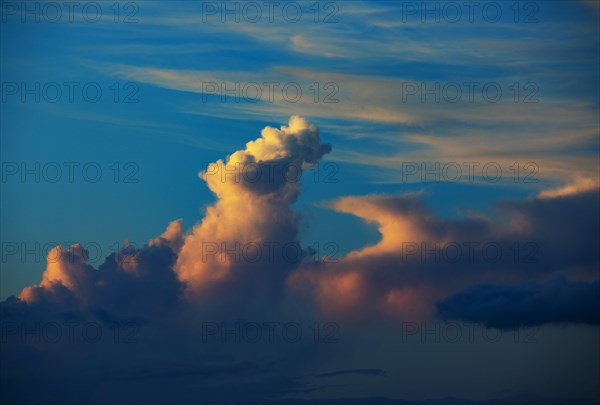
x: 255, y: 188
x: 169, y: 293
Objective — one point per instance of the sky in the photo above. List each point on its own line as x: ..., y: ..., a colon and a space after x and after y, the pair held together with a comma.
x: 300, y: 202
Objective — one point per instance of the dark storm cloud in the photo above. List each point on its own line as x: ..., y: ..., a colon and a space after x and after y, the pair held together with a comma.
x: 528, y: 304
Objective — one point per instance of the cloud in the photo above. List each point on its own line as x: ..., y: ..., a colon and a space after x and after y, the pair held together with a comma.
x: 171, y: 237
x: 361, y: 371
x: 578, y: 186
x: 242, y: 265
x: 245, y: 252
x: 422, y: 258
x: 247, y: 241
x: 67, y: 269
x: 423, y: 130
x: 133, y: 283
x: 243, y: 248
x: 528, y: 304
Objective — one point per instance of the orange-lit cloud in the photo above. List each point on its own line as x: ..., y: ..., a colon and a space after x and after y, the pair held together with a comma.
x: 255, y: 188
x: 172, y: 236
x: 66, y: 268
x: 421, y: 258
x: 580, y: 185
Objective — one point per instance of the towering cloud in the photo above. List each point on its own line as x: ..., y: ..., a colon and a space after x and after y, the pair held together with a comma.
x: 247, y: 241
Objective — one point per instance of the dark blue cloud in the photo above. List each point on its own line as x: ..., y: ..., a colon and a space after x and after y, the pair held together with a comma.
x: 529, y: 304
x: 359, y: 371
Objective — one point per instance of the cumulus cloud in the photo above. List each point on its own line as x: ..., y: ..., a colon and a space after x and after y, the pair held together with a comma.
x: 171, y: 237
x: 131, y: 282
x: 422, y: 258
x: 244, y: 247
x: 67, y: 269
x: 247, y: 241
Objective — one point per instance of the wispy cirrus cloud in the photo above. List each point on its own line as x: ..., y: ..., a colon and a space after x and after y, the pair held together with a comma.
x: 466, y: 131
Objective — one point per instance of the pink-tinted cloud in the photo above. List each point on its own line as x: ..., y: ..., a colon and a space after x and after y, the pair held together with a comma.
x: 422, y: 258
x: 252, y: 216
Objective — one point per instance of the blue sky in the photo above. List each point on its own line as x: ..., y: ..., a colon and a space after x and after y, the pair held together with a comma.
x: 371, y: 52
x: 394, y: 89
